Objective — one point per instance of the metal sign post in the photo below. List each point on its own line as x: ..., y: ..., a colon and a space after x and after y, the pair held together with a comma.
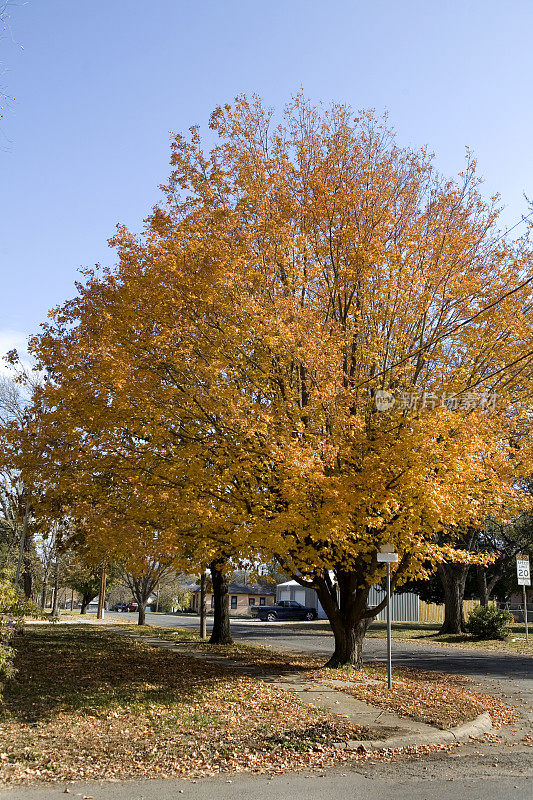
x: 523, y: 575
x: 388, y: 556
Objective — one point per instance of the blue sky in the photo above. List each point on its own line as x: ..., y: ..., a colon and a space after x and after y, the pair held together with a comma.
x: 99, y: 85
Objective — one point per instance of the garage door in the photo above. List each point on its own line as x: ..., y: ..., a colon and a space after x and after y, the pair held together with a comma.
x: 299, y: 596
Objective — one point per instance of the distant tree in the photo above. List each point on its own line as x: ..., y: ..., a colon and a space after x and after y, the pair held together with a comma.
x: 142, y: 582
x: 17, y: 521
x: 84, y: 578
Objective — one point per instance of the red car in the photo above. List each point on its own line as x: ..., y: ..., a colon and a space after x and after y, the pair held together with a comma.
x: 126, y: 607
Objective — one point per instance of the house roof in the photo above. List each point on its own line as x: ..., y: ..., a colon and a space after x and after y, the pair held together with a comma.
x: 241, y: 588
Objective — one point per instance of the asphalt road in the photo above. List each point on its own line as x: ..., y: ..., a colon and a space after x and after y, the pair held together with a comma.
x: 346, y: 785
x: 309, y: 637
x: 498, y: 770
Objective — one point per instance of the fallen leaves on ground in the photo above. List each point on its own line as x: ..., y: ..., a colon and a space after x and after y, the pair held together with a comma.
x: 434, y: 698
x: 88, y: 704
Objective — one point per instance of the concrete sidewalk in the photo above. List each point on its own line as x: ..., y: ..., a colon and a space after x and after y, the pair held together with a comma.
x: 390, y: 730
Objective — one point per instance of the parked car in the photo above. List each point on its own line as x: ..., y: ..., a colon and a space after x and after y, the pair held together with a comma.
x: 125, y: 607
x: 285, y: 609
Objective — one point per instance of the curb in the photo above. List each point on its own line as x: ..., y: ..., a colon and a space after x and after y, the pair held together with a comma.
x: 477, y: 727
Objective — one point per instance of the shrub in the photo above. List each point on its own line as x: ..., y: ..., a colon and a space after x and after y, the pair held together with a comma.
x: 13, y: 608
x: 489, y: 622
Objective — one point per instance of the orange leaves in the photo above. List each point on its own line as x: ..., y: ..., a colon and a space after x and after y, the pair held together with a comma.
x: 220, y: 384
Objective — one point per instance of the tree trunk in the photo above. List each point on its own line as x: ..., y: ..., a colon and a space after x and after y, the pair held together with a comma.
x: 203, y: 607
x: 85, y: 600
x: 43, y: 593
x: 349, y: 639
x: 22, y: 545
x: 221, y: 633
x: 142, y: 614
x: 453, y: 577
x: 349, y: 616
x: 483, y: 590
x: 27, y: 573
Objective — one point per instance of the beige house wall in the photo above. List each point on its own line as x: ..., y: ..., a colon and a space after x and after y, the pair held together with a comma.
x: 243, y: 604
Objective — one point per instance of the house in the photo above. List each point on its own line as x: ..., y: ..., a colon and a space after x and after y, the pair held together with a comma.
x: 404, y: 606
x: 242, y: 598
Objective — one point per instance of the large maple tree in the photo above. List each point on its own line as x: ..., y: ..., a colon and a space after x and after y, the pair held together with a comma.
x: 319, y: 346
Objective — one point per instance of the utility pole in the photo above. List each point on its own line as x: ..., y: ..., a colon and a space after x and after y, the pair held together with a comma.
x: 55, y: 603
x: 101, y: 597
x: 203, y: 607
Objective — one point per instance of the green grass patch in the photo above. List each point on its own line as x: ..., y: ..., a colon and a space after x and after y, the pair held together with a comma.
x: 428, y: 633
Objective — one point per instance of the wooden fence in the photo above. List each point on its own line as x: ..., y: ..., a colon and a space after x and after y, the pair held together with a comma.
x: 433, y: 612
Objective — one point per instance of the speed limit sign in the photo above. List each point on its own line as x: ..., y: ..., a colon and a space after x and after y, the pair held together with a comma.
x: 522, y: 571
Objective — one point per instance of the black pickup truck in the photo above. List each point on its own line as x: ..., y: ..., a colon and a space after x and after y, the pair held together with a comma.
x: 285, y: 609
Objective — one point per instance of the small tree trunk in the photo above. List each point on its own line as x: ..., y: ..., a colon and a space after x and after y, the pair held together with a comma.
x: 453, y: 577
x: 142, y: 614
x: 43, y: 593
x: 221, y: 633
x: 483, y: 591
x: 101, y: 594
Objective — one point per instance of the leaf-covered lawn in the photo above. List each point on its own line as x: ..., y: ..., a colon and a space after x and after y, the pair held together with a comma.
x: 430, y: 697
x: 90, y: 703
x: 435, y: 698
x: 87, y: 703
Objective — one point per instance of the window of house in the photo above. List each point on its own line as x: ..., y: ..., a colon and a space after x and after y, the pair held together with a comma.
x: 234, y: 601
x: 262, y: 601
x: 251, y: 601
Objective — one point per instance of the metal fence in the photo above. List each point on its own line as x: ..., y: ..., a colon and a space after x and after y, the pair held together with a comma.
x: 404, y: 605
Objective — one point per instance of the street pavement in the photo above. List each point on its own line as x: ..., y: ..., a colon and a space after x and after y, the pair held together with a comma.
x: 350, y: 784
x: 310, y: 637
x: 481, y: 770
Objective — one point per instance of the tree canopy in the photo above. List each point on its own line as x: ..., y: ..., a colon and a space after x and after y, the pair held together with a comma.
x: 318, y: 346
